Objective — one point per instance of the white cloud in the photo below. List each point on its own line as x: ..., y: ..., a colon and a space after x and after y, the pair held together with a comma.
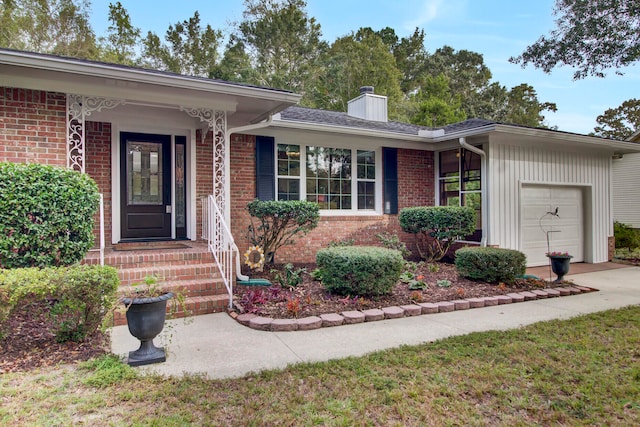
x: 432, y: 10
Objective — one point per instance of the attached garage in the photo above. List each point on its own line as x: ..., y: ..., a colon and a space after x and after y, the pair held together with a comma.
x: 556, y: 212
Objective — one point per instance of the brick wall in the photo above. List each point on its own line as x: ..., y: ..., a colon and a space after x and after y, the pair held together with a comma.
x: 415, y: 188
x: 98, y: 167
x: 204, y: 173
x: 32, y: 126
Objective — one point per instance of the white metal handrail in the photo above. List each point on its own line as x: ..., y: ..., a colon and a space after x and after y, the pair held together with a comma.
x: 221, y: 244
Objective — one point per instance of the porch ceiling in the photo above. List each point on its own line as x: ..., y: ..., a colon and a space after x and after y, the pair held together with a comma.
x: 244, y: 104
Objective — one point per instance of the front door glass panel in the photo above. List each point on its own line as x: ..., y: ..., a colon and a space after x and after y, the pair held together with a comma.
x: 144, y: 173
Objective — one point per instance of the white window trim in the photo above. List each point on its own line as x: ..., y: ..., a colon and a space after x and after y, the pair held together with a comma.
x: 354, y: 211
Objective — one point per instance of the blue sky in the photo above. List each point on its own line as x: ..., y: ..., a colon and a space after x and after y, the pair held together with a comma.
x: 497, y: 29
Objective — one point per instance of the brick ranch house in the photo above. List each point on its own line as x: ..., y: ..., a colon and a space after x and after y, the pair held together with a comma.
x: 177, y: 158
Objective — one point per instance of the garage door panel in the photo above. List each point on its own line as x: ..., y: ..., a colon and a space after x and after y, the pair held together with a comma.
x: 567, y: 228
x: 533, y: 193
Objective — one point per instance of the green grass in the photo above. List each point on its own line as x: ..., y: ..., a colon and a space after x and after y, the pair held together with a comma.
x: 583, y: 371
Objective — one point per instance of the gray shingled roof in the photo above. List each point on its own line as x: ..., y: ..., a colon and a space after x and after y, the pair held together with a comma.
x: 336, y: 118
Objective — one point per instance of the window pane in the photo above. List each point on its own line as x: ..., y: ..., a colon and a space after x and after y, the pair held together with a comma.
x: 366, y: 195
x: 329, y: 177
x: 288, y: 189
x: 449, y: 163
x: 288, y: 160
x: 366, y: 164
x: 144, y: 173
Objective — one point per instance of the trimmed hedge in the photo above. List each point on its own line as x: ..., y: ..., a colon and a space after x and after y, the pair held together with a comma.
x: 359, y: 270
x: 439, y: 226
x: 46, y: 215
x: 625, y: 236
x: 492, y: 265
x: 80, y: 296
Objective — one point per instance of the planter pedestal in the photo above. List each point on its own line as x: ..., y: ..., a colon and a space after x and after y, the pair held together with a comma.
x: 560, y: 266
x: 145, y: 319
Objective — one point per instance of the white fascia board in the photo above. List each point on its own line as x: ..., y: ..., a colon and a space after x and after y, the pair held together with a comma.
x: 52, y: 63
x: 346, y: 130
x: 590, y: 141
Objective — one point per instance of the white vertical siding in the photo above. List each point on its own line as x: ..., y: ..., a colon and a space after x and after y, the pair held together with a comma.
x: 625, y: 180
x: 512, y: 165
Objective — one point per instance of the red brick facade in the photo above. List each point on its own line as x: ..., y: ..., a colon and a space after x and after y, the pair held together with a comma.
x: 32, y: 126
x: 415, y: 188
x: 98, y: 167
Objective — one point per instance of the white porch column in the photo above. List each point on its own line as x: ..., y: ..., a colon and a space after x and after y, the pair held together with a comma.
x: 216, y: 122
x: 78, y: 109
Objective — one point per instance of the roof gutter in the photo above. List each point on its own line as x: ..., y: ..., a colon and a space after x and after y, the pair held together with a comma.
x: 483, y: 186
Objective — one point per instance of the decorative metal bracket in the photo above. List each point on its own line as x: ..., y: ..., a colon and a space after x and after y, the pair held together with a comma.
x: 78, y: 109
x: 216, y: 122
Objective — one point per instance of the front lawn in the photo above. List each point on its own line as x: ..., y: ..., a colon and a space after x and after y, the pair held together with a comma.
x: 583, y: 371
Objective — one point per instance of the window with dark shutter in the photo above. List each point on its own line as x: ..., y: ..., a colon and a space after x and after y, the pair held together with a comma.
x: 265, y: 168
x: 390, y: 172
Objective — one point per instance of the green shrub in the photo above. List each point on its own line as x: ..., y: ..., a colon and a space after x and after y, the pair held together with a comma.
x: 46, y: 215
x: 626, y: 237
x: 80, y: 296
x: 279, y: 221
x: 492, y: 265
x: 359, y: 270
x: 438, y: 226
x: 392, y: 241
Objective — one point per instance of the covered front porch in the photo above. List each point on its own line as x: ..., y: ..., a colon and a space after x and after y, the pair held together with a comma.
x: 157, y: 144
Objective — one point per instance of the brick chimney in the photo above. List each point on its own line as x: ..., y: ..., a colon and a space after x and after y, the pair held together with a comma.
x: 368, y: 106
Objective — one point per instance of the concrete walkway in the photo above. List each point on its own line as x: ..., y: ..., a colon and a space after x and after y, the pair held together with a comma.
x: 217, y: 346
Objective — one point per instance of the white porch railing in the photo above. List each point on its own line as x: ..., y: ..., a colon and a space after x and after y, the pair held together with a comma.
x: 221, y: 244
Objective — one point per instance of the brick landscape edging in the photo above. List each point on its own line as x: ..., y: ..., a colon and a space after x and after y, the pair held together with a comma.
x: 328, y: 320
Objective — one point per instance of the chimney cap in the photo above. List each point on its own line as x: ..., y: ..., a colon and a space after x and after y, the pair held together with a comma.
x: 366, y: 89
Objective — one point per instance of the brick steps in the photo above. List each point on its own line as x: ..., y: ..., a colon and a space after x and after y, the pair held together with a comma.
x: 190, y: 271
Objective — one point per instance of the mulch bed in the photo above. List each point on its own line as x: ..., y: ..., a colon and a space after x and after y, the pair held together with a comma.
x: 311, y: 299
x: 30, y: 344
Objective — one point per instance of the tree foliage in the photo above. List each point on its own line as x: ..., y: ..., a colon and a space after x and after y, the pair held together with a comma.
x: 590, y: 35
x: 282, y: 42
x: 189, y: 48
x: 277, y: 44
x: 356, y: 60
x: 620, y: 122
x: 60, y: 27
x: 122, y: 37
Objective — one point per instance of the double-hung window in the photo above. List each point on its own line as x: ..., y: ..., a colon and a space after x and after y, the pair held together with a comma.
x: 338, y: 179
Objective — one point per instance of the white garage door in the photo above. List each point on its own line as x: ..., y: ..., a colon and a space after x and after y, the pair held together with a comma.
x: 566, y: 230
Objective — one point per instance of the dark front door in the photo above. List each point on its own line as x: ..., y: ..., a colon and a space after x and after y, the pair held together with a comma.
x: 145, y: 165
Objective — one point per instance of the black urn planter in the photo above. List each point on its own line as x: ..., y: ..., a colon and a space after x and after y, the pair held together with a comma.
x: 145, y: 319
x: 560, y: 265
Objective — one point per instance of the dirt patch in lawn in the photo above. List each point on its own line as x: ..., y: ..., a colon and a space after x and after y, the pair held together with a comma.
x: 310, y: 298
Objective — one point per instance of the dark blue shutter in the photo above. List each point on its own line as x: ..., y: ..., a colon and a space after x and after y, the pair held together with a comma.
x: 390, y: 183
x: 265, y: 168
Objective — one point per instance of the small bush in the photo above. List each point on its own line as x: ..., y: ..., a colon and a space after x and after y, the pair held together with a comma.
x: 438, y: 226
x: 80, y: 296
x: 626, y: 237
x: 279, y: 221
x: 492, y: 265
x: 392, y: 241
x: 46, y: 215
x: 289, y: 277
x: 359, y: 270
